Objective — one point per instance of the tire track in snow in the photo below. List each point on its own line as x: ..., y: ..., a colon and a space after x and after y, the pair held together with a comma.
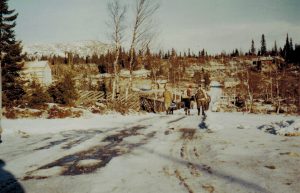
x: 186, y: 148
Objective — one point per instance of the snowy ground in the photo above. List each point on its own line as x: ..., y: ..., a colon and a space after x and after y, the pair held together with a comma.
x: 149, y: 153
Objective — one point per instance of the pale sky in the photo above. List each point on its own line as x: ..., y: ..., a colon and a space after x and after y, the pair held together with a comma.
x: 216, y: 25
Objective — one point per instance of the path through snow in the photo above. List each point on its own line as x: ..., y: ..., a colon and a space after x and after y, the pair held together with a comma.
x: 150, y: 153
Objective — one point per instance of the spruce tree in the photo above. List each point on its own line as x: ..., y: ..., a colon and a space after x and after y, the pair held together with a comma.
x: 11, y: 57
x: 291, y: 45
x: 64, y: 91
x: 291, y: 57
x: 252, y: 48
x: 275, y: 49
x: 263, y: 49
x: 37, y: 96
x: 286, y: 49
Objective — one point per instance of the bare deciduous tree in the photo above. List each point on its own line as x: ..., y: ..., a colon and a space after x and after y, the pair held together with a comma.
x: 116, y: 23
x: 142, y: 31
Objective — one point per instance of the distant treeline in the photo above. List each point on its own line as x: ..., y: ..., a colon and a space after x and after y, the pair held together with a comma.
x: 290, y: 52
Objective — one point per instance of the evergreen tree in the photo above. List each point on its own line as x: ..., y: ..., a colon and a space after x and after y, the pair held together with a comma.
x: 275, y: 49
x: 160, y: 54
x: 252, y: 48
x: 297, y: 54
x: 291, y: 45
x: 236, y: 52
x: 148, y: 63
x: 37, y: 96
x: 286, y: 49
x: 292, y: 54
x: 263, y: 49
x: 10, y: 54
x: 203, y: 53
x: 189, y: 52
x: 64, y: 92
x: 173, y: 53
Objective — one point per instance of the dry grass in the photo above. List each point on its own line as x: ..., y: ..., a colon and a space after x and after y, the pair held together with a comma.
x: 60, y: 113
x: 120, y: 107
x: 295, y: 134
x: 15, y: 113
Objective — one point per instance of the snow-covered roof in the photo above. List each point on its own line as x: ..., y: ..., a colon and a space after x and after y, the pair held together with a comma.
x: 194, y: 67
x: 266, y: 58
x: 105, y: 75
x: 213, y: 63
x: 36, y: 64
x: 124, y: 73
x: 215, y: 84
x: 141, y: 72
x: 162, y: 81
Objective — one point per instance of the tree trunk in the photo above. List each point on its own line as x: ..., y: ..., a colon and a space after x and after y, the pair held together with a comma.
x: 115, y: 86
x: 278, y: 108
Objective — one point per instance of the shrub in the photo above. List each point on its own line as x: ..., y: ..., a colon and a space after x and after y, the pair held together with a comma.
x: 120, y: 107
x: 10, y: 113
x: 37, y: 96
x: 13, y: 93
x: 56, y: 112
x: 14, y: 113
x: 64, y: 91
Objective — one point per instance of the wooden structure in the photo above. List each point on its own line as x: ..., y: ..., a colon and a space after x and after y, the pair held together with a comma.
x: 134, y: 100
x: 88, y: 97
x: 39, y: 70
x: 151, y: 105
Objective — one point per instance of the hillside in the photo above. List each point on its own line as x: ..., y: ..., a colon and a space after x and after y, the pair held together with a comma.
x: 82, y: 48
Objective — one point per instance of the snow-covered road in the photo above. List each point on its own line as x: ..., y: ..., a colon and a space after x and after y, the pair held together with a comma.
x: 149, y: 153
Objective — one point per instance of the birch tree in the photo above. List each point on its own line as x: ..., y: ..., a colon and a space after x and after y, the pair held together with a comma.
x: 116, y: 23
x: 142, y: 31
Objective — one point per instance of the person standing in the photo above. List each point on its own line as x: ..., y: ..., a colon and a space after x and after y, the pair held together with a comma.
x: 186, y: 99
x: 167, y: 99
x: 201, y: 100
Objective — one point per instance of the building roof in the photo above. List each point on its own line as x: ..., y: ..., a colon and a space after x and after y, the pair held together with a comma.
x: 36, y: 65
x: 141, y: 72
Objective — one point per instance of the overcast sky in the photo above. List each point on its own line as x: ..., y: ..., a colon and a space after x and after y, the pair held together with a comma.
x: 216, y: 25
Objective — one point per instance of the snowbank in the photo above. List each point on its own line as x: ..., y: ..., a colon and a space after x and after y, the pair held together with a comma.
x: 285, y: 128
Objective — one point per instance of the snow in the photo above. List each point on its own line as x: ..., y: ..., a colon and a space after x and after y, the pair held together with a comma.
x: 43, y: 126
x: 82, y: 48
x: 38, y: 69
x: 48, y: 172
x: 215, y: 93
x: 36, y: 64
x: 215, y: 84
x: 224, y: 152
x: 88, y: 162
x: 282, y: 127
x: 124, y: 73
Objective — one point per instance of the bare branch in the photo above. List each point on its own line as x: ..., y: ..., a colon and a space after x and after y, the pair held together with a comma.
x: 117, y: 17
x: 116, y: 21
x: 142, y: 32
